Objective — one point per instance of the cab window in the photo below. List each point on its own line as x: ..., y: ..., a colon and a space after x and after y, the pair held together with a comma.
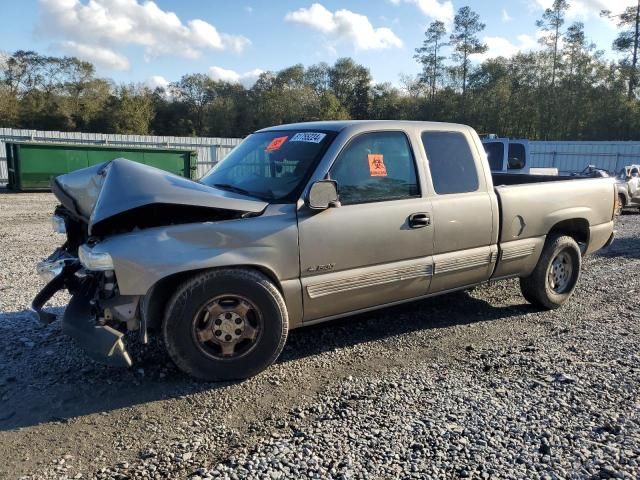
x: 517, y: 156
x: 451, y: 163
x: 375, y: 167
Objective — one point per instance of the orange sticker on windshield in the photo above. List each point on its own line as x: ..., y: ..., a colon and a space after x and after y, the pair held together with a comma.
x: 376, y: 165
x: 275, y: 144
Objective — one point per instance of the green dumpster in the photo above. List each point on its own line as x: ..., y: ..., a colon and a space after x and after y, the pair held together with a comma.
x: 31, y: 166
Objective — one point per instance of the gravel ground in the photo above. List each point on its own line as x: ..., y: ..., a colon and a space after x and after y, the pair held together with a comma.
x: 469, y: 385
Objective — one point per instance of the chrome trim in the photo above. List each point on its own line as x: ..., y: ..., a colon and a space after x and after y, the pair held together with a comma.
x: 368, y: 280
x: 463, y: 263
x: 517, y: 251
x: 390, y: 304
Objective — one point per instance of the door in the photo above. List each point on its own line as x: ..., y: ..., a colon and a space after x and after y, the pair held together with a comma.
x: 464, y: 213
x: 376, y: 247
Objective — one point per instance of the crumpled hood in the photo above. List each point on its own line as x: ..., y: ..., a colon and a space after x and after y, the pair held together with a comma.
x: 103, y: 191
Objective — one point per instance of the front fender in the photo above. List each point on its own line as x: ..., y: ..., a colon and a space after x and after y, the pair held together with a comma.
x: 142, y: 258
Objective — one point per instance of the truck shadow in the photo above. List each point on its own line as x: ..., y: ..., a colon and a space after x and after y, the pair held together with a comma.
x: 627, y: 247
x: 454, y: 309
x: 46, y: 378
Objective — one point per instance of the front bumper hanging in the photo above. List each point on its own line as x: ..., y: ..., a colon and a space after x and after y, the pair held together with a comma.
x: 102, y: 343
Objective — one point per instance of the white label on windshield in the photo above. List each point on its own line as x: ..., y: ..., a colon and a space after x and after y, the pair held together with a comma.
x: 309, y: 137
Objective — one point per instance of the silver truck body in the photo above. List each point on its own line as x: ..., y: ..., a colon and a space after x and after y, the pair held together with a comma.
x: 337, y: 261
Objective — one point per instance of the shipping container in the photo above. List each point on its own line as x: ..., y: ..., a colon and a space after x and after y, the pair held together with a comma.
x: 31, y: 166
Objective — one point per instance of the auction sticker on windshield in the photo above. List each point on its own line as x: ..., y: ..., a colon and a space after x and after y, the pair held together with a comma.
x: 309, y: 137
x: 276, y: 143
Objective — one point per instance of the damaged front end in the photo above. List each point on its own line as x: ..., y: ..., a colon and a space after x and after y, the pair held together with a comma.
x: 97, y: 315
x: 101, y: 202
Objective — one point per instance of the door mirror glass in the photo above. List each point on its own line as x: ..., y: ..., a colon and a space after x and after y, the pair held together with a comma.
x: 323, y: 194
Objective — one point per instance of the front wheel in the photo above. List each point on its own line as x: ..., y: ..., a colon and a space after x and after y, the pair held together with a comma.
x: 554, y: 279
x: 225, y: 325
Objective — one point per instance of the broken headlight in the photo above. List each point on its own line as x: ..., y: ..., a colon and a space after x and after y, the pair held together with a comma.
x: 59, y: 226
x: 96, y: 261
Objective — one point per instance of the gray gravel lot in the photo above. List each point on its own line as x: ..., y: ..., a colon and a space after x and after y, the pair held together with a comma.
x: 470, y: 385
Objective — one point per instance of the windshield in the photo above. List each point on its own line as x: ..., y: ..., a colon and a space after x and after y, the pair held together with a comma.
x: 270, y: 165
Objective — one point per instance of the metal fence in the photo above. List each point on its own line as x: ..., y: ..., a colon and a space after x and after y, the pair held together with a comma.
x: 565, y: 156
x: 210, y: 149
x: 575, y: 156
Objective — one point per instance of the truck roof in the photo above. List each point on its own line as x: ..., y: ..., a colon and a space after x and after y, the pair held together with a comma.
x: 339, y: 125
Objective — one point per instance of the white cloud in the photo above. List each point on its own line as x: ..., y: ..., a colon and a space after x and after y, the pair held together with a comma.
x: 119, y: 23
x: 345, y: 25
x: 248, y: 9
x: 501, y: 47
x: 101, y: 56
x: 505, y: 16
x: 437, y: 9
x: 247, y: 79
x: 156, y: 81
x: 585, y: 9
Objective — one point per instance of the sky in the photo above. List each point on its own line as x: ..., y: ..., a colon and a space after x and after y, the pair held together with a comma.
x: 155, y: 42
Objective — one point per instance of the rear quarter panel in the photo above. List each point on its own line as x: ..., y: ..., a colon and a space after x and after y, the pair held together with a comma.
x: 530, y: 211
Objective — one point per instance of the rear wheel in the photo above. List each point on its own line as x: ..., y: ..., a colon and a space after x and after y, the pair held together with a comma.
x: 225, y: 325
x: 554, y: 279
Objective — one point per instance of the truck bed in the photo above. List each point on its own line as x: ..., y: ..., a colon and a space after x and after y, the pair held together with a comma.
x: 531, y: 206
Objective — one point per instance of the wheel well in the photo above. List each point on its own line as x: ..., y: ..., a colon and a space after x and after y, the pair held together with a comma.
x: 155, y: 301
x: 623, y: 199
x: 577, y: 228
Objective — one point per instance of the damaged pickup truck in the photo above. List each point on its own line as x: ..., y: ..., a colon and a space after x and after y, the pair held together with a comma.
x: 304, y: 223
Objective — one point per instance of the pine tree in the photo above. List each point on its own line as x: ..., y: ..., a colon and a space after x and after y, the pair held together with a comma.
x: 551, y: 22
x: 429, y: 56
x: 465, y: 42
x: 627, y: 42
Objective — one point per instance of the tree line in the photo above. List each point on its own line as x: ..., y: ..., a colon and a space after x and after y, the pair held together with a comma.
x: 565, y: 90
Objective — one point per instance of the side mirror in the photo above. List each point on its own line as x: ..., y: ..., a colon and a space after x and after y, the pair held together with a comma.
x: 323, y: 194
x: 516, y: 163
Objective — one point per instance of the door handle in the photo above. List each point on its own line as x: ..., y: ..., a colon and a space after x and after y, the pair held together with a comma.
x: 419, y: 220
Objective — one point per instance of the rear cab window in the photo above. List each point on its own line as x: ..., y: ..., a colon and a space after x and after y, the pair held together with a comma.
x: 517, y: 156
x: 495, y: 155
x: 451, y: 163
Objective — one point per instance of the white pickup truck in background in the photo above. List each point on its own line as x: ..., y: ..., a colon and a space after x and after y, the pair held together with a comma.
x: 512, y: 156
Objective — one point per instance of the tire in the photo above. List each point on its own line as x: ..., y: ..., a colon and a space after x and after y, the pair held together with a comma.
x: 538, y: 288
x: 202, y: 314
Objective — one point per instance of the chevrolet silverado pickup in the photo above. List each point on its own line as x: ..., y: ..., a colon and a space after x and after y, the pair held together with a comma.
x: 301, y: 224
